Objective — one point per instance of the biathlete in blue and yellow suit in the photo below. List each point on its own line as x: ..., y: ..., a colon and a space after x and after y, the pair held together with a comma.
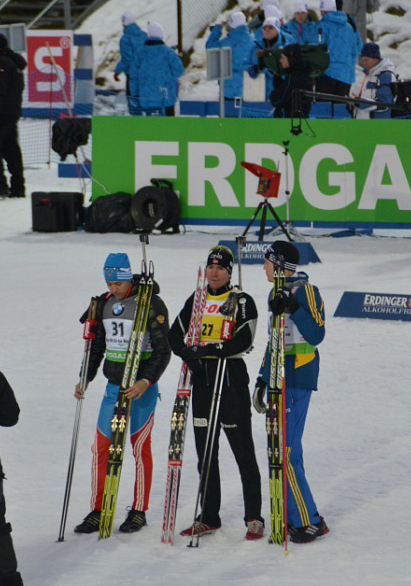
x: 219, y: 340
x: 115, y: 316
x: 304, y: 329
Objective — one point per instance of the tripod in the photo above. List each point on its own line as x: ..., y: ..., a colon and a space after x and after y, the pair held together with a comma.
x: 265, y: 205
x: 291, y: 229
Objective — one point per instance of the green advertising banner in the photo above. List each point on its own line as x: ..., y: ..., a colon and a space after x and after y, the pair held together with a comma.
x: 355, y: 171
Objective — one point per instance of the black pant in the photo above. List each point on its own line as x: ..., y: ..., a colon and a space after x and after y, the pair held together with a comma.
x: 8, y: 562
x: 235, y: 419
x: 11, y: 153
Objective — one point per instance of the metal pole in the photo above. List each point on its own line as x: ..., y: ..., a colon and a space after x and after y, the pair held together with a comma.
x: 222, y: 103
x: 240, y: 241
x: 179, y: 27
x: 67, y: 15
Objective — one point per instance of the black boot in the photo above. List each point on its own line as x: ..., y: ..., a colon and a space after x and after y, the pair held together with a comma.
x: 12, y: 579
x: 134, y: 522
x: 90, y: 523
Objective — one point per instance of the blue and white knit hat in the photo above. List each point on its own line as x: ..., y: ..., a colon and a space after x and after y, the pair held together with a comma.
x: 117, y: 267
x: 283, y: 254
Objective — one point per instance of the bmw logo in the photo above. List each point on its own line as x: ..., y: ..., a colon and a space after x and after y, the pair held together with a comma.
x: 118, y: 309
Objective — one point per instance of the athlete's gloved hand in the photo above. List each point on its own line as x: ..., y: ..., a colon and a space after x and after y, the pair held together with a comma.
x: 190, y: 353
x: 258, y: 396
x: 283, y: 301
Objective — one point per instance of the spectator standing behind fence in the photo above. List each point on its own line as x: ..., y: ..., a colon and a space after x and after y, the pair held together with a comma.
x: 302, y: 27
x: 335, y: 30
x: 241, y: 42
x: 260, y: 17
x: 376, y: 85
x: 132, y: 39
x: 11, y: 92
x: 296, y: 77
x: 273, y: 38
x: 9, y: 415
x: 154, y: 73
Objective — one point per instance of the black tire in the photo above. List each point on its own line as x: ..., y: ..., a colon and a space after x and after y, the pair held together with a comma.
x: 155, y: 207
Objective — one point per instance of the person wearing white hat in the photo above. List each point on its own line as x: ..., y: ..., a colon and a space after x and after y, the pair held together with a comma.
x: 155, y: 73
x: 270, y: 36
x: 335, y: 30
x: 265, y: 12
x: 302, y: 26
x: 240, y: 41
x: 132, y: 39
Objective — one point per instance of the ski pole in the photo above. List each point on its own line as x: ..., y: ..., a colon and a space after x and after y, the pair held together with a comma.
x: 209, y: 445
x: 144, y: 242
x: 88, y: 336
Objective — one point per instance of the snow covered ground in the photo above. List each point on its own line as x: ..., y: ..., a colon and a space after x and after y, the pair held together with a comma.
x: 357, y: 439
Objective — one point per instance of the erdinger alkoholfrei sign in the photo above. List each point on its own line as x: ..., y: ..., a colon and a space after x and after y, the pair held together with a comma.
x: 375, y: 306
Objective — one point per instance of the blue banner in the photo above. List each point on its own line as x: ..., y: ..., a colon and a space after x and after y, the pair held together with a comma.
x: 375, y: 306
x: 253, y: 252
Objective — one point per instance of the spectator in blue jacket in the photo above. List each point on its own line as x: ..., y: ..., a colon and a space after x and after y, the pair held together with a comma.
x: 154, y: 73
x: 273, y: 38
x: 132, y: 39
x: 335, y: 30
x: 265, y: 12
x: 302, y: 27
x: 240, y: 41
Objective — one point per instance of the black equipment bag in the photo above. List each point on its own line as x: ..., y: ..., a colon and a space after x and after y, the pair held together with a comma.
x: 156, y: 206
x: 110, y: 213
x: 57, y: 211
x: 68, y: 134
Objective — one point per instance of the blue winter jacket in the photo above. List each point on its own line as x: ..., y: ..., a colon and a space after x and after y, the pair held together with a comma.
x: 154, y: 73
x: 132, y: 39
x: 282, y: 40
x: 240, y: 41
x: 302, y: 33
x: 301, y: 368
x: 342, y: 45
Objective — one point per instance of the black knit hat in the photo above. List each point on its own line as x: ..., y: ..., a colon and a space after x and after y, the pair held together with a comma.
x: 222, y: 256
x: 3, y: 42
x: 283, y: 254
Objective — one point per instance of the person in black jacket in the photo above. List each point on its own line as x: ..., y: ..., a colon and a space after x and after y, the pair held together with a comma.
x: 296, y: 77
x: 11, y: 92
x: 9, y: 415
x: 115, y: 316
x: 221, y: 339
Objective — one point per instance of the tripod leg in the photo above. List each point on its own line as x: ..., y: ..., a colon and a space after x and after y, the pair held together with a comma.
x: 279, y: 222
x: 253, y: 218
x: 263, y: 221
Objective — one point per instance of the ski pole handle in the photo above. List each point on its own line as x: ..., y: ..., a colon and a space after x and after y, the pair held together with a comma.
x: 144, y: 241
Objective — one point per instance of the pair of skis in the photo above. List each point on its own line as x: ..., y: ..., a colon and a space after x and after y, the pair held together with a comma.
x: 121, y: 415
x: 180, y: 415
x: 276, y: 426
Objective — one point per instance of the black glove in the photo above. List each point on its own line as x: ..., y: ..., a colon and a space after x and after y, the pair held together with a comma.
x: 283, y: 301
x: 258, y: 396
x: 190, y: 353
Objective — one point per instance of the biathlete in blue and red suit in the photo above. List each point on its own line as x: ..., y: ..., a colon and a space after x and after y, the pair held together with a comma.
x: 115, y: 316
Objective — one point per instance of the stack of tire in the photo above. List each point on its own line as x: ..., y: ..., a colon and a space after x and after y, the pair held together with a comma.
x: 154, y: 207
